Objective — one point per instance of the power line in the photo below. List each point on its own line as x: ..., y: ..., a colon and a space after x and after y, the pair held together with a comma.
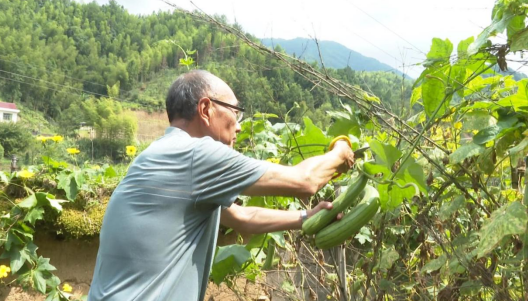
x: 392, y: 31
x: 56, y: 72
x: 61, y: 91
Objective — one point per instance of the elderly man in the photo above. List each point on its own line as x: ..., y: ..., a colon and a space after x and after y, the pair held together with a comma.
x: 160, y: 228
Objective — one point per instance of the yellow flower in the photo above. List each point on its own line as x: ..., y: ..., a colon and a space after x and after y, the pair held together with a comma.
x: 26, y: 174
x: 273, y: 160
x: 57, y: 138
x: 475, y: 132
x: 67, y: 288
x: 4, y: 270
x: 42, y: 139
x: 131, y: 150
x: 458, y: 125
x: 96, y: 167
x: 73, y: 151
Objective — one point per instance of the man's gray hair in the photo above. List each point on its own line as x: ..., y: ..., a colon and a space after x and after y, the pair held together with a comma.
x: 184, y: 94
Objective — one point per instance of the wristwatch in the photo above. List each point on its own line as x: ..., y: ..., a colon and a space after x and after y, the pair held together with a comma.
x: 304, y: 216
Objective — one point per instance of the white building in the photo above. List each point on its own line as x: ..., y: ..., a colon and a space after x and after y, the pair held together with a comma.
x: 8, y: 112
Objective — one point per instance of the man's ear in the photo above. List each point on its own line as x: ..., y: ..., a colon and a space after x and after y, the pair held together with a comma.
x: 205, y: 110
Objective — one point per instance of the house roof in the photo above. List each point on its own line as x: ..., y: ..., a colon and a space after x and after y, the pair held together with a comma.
x: 8, y: 105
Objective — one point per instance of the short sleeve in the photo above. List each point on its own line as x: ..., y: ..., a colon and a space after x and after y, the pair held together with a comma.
x: 220, y: 174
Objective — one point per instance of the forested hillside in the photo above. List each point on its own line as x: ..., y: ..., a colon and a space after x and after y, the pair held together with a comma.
x: 57, y: 56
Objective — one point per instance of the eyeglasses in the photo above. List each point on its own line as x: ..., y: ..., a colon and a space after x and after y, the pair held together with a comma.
x: 239, y: 113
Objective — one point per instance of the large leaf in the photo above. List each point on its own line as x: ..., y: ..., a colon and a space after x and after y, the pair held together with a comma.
x: 34, y: 214
x: 520, y: 41
x: 521, y: 147
x: 238, y: 252
x: 509, y: 219
x: 386, y: 154
x: 228, y: 259
x: 440, y: 50
x: 462, y: 49
x: 29, y: 202
x: 449, y: 208
x: 311, y: 135
x: 434, y: 264
x: 68, y: 183
x: 466, y: 151
x: 412, y: 172
x: 433, y: 96
x: 477, y: 120
x: 39, y: 281
x: 391, y: 196
x: 388, y: 257
x: 344, y: 124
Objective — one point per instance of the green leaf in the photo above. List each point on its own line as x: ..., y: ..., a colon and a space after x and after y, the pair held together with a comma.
x: 477, y: 120
x: 257, y: 241
x: 434, y: 264
x: 433, y: 94
x: 228, y: 259
x: 278, y: 237
x: 466, y: 151
x: 110, y: 172
x: 374, y: 169
x: 386, y: 154
x: 413, y: 173
x: 509, y: 219
x: 344, y: 125
x: 521, y: 147
x: 44, y: 265
x: 416, y: 95
x: 449, y: 208
x: 56, y: 204
x: 39, y: 281
x: 34, y: 215
x: 462, y: 49
x: 391, y: 196
x: 64, y: 183
x: 388, y: 257
x: 486, y: 134
x: 440, y: 50
x: 515, y: 25
x: 3, y: 178
x: 470, y: 288
x: 364, y: 235
x: 288, y: 287
x: 257, y: 201
x: 519, y: 41
x: 29, y: 202
x: 238, y: 252
x: 485, y: 161
x: 311, y: 135
x: 17, y: 259
x: 265, y: 115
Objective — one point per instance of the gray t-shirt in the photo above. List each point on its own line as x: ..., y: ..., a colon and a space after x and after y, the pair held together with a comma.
x: 160, y: 227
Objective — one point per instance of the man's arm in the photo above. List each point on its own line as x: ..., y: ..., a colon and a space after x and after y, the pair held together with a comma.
x: 256, y: 220
x: 302, y: 181
x: 306, y: 178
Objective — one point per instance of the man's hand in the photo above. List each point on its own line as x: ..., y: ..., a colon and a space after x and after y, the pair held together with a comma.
x: 346, y: 154
x: 324, y: 205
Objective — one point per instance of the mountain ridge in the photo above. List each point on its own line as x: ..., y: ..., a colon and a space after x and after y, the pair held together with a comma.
x: 335, y: 55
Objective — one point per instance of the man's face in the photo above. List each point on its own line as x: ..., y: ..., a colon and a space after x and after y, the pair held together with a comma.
x: 224, y: 125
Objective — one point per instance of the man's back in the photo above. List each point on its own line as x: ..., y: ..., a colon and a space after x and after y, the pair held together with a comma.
x: 160, y: 227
